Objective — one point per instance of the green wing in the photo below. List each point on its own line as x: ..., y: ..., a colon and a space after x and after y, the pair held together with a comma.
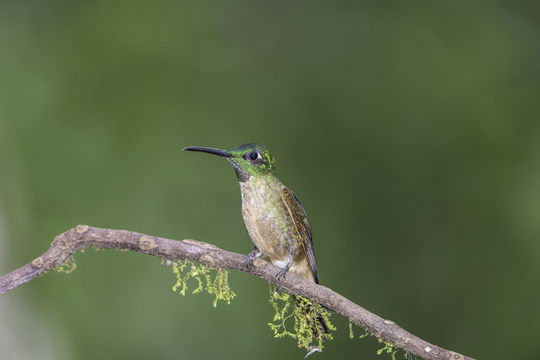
x: 301, y: 225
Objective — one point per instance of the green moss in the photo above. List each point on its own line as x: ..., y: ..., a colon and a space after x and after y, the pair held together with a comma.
x: 294, y: 316
x: 214, y: 281
x: 68, y: 266
x: 299, y: 318
x: 281, y: 303
x: 388, y: 348
x: 219, y: 287
x: 351, y: 332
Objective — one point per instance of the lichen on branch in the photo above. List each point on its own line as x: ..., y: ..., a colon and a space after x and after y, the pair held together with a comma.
x: 214, y: 281
x: 304, y: 316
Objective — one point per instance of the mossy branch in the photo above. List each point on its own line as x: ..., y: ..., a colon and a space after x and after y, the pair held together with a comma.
x: 83, y: 236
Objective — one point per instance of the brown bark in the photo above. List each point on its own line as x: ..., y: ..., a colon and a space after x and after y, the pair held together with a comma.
x: 83, y: 236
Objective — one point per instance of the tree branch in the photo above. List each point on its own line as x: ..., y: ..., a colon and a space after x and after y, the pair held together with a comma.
x: 83, y: 236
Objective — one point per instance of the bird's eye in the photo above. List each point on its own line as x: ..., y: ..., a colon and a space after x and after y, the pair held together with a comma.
x: 254, y: 155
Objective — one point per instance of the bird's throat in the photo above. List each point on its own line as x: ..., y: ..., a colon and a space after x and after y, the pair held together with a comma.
x: 241, y: 174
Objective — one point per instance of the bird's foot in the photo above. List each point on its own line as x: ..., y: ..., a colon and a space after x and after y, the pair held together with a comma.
x: 250, y: 258
x: 281, y: 273
x: 283, y: 266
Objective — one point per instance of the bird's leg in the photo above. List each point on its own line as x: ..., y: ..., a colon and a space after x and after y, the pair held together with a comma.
x: 288, y: 263
x: 250, y: 258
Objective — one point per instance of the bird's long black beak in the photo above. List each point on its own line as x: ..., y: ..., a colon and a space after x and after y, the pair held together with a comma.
x: 219, y: 152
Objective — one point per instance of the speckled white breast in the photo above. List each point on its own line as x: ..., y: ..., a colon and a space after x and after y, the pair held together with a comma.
x: 270, y: 226
x: 265, y: 217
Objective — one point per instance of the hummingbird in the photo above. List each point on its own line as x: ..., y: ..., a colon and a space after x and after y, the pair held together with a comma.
x: 274, y: 218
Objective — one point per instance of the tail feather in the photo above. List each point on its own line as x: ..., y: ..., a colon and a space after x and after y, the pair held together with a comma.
x: 319, y: 327
x: 322, y: 325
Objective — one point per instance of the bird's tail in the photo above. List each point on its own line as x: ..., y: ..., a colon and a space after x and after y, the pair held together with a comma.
x: 314, y: 319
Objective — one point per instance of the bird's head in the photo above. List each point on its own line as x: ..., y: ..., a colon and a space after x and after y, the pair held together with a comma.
x: 248, y: 160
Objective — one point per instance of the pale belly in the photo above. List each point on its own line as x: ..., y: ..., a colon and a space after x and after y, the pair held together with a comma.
x: 270, y: 226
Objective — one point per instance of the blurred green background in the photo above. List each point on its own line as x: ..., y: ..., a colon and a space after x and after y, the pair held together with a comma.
x: 409, y: 130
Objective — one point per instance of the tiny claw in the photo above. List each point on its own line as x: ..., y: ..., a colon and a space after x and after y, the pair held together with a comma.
x: 281, y: 273
x: 250, y: 258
